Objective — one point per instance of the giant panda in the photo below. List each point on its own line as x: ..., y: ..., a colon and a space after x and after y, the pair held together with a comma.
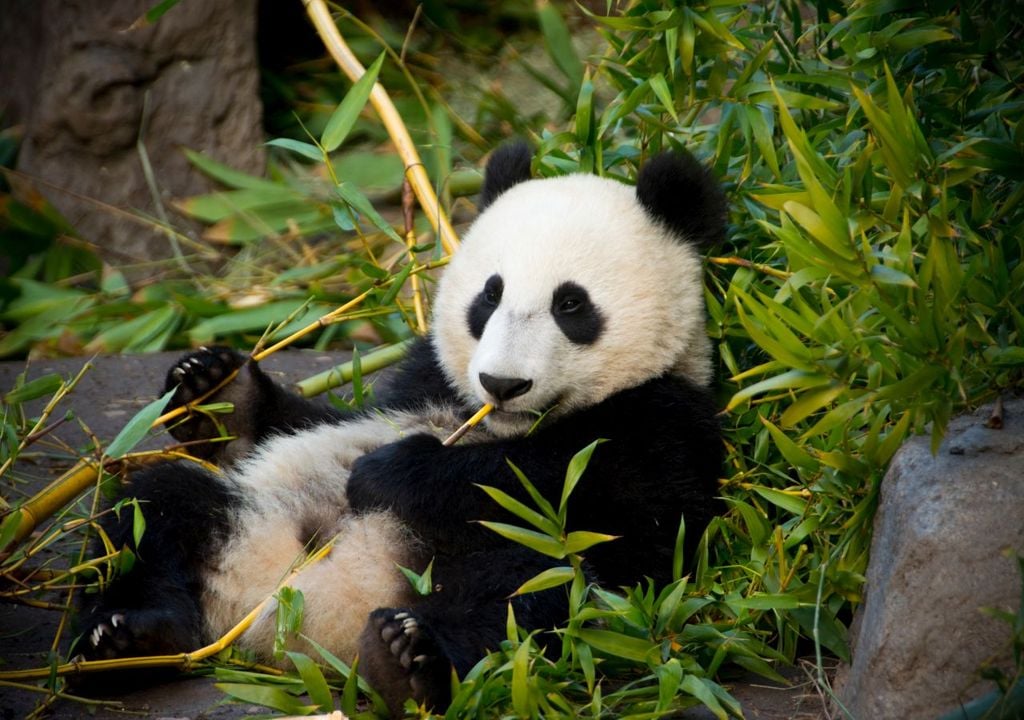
x: 575, y: 307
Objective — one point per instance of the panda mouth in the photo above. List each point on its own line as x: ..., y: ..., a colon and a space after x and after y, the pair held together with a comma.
x: 534, y: 417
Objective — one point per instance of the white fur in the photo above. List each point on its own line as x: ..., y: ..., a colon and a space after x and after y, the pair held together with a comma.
x: 292, y: 485
x: 591, y: 231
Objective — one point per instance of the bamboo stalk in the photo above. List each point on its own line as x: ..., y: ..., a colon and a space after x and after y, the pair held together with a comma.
x: 55, y: 496
x: 341, y: 374
x: 410, y: 242
x: 381, y: 102
x: 468, y: 425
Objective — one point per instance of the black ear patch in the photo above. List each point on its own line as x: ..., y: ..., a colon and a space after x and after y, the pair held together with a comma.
x: 509, y: 165
x: 682, y: 193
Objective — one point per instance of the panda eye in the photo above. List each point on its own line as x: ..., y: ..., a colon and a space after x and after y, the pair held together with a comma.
x: 569, y: 299
x: 570, y: 304
x: 492, y: 290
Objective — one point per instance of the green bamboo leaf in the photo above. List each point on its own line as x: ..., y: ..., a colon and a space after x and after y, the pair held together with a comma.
x: 268, y: 696
x: 794, y: 454
x: 228, y: 176
x: 809, y: 402
x: 313, y: 680
x: 347, y: 112
x: 619, y: 645
x: 533, y: 540
x: 700, y: 688
x: 766, y: 601
x: 829, y: 631
x: 136, y: 428
x: 550, y: 578
x: 559, y: 42
x: 891, y: 276
x: 573, y: 474
x: 670, y: 676
x: 397, y: 282
x: 521, y: 511
x: 580, y: 540
x: 668, y: 606
x: 792, y: 503
x: 827, y: 235
x: 306, y: 150
x: 534, y: 493
x: 138, y: 522
x: 661, y: 90
x: 791, y: 380
x: 351, y: 195
x: 9, y: 527
x: 157, y: 11
x: 585, y: 111
x: 44, y: 385
x: 755, y: 522
x: 520, y: 679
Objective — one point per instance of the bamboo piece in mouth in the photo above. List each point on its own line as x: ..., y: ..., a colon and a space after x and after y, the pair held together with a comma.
x: 468, y: 425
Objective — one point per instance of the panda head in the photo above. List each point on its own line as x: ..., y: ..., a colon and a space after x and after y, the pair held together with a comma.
x: 567, y: 290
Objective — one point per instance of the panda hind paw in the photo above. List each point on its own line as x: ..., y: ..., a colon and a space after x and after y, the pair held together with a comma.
x: 133, y: 633
x: 400, y: 659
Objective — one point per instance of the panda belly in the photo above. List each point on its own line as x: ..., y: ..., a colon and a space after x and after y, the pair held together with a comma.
x: 292, y: 501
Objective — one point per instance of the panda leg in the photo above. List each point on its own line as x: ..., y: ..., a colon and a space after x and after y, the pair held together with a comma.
x: 153, y: 609
x: 410, y: 652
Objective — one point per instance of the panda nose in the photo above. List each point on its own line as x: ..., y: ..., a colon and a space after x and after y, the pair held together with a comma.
x: 505, y: 388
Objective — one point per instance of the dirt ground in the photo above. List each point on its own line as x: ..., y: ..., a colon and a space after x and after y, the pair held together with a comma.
x: 109, y: 394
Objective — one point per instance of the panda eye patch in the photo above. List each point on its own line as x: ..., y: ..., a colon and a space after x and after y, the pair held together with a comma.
x: 577, y: 317
x: 492, y: 290
x: 483, y: 305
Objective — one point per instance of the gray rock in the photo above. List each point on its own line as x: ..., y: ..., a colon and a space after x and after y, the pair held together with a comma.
x: 946, y: 533
x: 84, y: 81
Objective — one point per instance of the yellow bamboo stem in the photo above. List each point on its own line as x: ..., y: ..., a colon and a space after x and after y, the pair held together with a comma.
x: 320, y: 322
x: 55, y: 496
x: 381, y: 102
x: 468, y: 425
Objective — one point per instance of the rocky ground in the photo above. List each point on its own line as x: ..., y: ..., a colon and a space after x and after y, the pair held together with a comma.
x: 109, y: 394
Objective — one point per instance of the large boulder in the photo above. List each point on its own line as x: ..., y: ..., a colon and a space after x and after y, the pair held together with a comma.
x: 946, y: 535
x: 85, y: 79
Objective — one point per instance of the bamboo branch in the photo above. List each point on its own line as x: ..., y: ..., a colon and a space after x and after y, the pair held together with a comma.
x: 468, y: 425
x: 381, y: 102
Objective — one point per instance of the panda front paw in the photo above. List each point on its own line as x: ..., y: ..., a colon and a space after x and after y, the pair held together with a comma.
x: 193, y: 376
x: 385, y: 477
x: 400, y: 660
x: 198, y: 372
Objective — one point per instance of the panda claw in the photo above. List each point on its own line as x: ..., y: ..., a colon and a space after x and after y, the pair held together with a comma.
x: 401, y: 615
x: 116, y: 619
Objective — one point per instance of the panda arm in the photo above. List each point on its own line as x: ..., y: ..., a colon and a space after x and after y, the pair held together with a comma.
x: 663, y: 453
x: 260, y: 407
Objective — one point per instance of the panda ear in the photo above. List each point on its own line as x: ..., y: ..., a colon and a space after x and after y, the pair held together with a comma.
x: 682, y: 193
x: 509, y: 165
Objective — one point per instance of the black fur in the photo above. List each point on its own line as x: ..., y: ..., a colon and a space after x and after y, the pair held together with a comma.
x: 681, y: 192
x: 577, y: 317
x: 508, y: 165
x: 484, y: 305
